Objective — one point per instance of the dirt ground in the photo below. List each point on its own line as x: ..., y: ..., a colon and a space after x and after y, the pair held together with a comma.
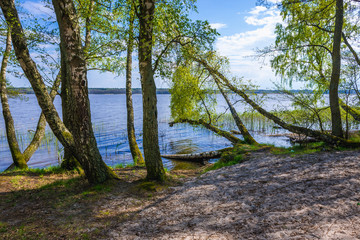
x: 313, y: 196
x: 64, y: 206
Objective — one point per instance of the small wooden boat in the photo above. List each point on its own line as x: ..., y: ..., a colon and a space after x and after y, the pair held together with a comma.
x: 194, y: 157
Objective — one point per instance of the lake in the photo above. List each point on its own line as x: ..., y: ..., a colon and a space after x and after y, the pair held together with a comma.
x: 109, y: 121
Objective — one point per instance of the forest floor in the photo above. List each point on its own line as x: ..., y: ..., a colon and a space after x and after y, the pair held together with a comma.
x: 268, y: 196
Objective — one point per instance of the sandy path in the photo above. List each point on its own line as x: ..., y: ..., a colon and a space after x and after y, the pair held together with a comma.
x: 269, y: 197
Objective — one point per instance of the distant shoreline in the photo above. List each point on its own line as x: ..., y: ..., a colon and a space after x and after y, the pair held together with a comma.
x: 158, y: 91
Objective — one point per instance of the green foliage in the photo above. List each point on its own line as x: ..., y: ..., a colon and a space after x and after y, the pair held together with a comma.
x: 174, y: 30
x: 303, y: 46
x: 102, y: 27
x: 185, y: 95
x: 315, y: 117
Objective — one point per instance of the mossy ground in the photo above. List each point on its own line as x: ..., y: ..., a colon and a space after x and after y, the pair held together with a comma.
x: 55, y: 204
x: 235, y: 155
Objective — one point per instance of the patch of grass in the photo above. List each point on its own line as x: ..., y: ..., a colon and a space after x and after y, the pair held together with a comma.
x: 183, y: 165
x: 3, y: 227
x: 16, y: 181
x: 300, y: 149
x: 235, y: 155
x: 37, y: 171
x: 355, y: 137
x: 130, y: 165
x: 68, y: 183
x: 148, y: 186
x: 105, y: 187
x: 120, y: 165
x: 224, y: 163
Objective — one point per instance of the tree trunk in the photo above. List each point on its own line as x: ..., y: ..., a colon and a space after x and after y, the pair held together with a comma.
x: 16, y: 154
x: 134, y: 148
x: 33, y: 75
x: 244, y: 132
x: 41, y: 126
x: 352, y: 111
x: 20, y: 159
x: 212, y: 128
x: 153, y: 162
x: 335, y: 74
x: 75, y: 73
x: 40, y: 129
x: 69, y: 162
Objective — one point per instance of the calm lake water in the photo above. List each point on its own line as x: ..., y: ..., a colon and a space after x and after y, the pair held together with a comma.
x: 109, y: 121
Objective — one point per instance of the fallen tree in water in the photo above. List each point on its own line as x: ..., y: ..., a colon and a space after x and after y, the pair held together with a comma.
x: 225, y: 134
x: 243, y: 130
x: 322, y: 136
x: 352, y: 111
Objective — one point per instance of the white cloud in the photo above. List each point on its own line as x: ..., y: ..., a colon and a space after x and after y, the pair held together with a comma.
x: 260, y: 16
x: 257, y: 10
x: 218, y: 26
x: 274, y: 1
x: 38, y: 8
x: 241, y: 46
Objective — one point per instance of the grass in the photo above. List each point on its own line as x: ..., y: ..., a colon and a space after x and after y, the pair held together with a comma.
x: 235, y: 155
x: 221, y: 164
x: 301, y: 149
x: 310, y: 148
x: 37, y: 171
x: 3, y: 227
x: 120, y: 166
x: 63, y: 183
x: 146, y: 187
x: 355, y: 137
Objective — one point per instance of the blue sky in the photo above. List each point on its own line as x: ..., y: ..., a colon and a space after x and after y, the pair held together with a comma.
x: 243, y: 27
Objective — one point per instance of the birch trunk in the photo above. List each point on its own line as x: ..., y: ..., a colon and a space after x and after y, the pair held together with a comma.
x: 153, y: 162
x: 74, y: 73
x: 20, y: 159
x: 16, y: 154
x: 134, y: 148
x: 95, y: 169
x: 335, y: 74
x: 243, y: 130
